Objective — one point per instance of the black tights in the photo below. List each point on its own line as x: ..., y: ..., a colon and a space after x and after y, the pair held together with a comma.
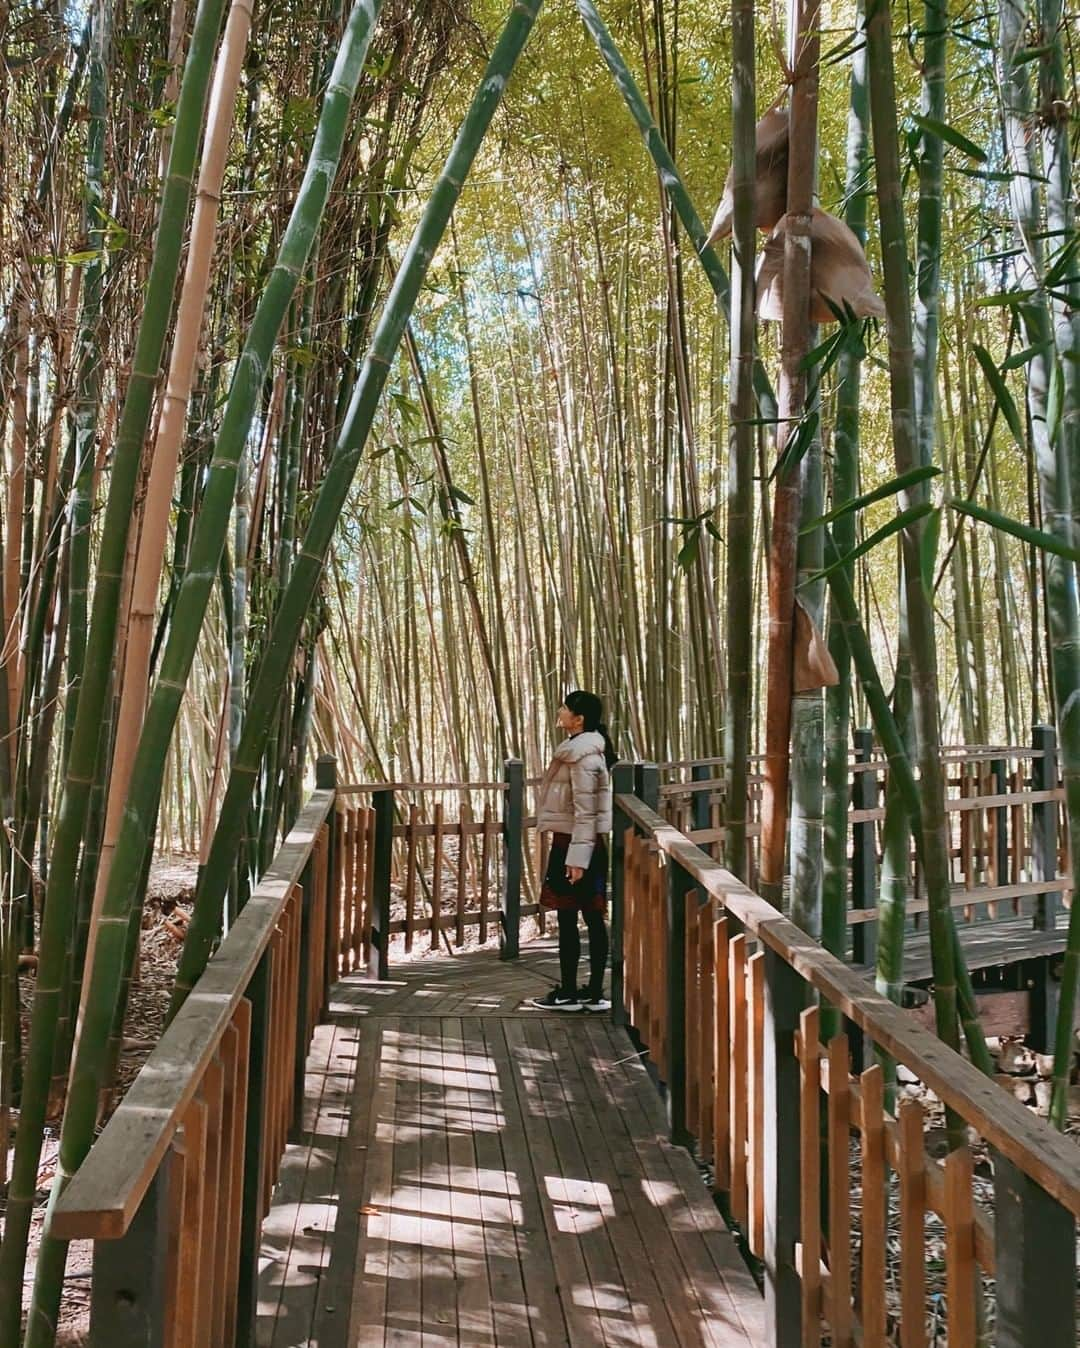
x: 570, y: 950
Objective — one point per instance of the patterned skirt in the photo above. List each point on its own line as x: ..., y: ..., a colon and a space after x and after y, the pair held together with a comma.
x: 589, y: 894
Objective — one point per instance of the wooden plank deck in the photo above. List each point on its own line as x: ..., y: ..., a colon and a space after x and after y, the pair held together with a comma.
x: 475, y: 1172
x: 985, y: 944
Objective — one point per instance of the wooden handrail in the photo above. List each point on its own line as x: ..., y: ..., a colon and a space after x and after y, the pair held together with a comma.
x: 356, y: 788
x: 955, y: 753
x: 106, y: 1190
x: 1035, y: 1149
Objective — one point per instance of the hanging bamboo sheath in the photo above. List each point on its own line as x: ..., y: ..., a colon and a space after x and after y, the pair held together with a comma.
x: 795, y: 343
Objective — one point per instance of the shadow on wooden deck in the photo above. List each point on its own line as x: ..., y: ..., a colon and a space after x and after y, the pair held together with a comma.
x: 476, y: 1172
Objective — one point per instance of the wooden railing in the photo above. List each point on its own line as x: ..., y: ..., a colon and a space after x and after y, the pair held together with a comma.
x: 1007, y: 836
x: 724, y: 992
x: 174, y: 1191
x: 449, y: 856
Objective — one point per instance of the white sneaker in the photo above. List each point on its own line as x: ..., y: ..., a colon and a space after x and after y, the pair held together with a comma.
x: 598, y: 1003
x: 555, y: 1001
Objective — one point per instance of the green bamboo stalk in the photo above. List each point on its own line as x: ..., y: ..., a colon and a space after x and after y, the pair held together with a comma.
x: 131, y: 435
x: 332, y: 494
x: 901, y: 774
x: 803, y: 49
x: 1059, y: 490
x: 928, y: 243
x: 740, y: 480
x: 920, y: 613
x: 834, y: 901
x: 896, y: 841
x: 122, y: 892
x: 1056, y: 108
x: 88, y: 398
x: 806, y: 828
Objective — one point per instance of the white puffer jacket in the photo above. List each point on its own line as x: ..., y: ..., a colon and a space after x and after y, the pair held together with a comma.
x: 575, y: 795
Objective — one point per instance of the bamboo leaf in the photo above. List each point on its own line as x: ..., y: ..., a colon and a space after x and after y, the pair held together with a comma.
x: 1055, y: 398
x: 688, y: 553
x: 952, y: 137
x: 1001, y: 393
x: 819, y: 352
x: 894, y: 526
x: 891, y: 488
x: 1007, y: 299
x: 801, y: 440
x: 928, y: 549
x: 1036, y: 537
x: 1022, y: 357
x: 1056, y: 273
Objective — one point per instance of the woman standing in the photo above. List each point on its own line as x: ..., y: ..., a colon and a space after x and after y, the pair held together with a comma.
x: 574, y: 806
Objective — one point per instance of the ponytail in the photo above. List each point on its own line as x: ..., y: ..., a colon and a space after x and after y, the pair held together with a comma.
x: 610, y: 756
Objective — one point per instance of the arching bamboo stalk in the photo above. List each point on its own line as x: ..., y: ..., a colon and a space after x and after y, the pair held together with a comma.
x: 328, y: 504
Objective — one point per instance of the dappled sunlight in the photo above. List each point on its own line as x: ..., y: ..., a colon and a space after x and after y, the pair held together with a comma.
x: 508, y: 1185
x: 579, y: 1205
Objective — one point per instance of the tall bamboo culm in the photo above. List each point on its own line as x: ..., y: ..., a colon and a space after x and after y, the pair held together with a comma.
x: 58, y: 907
x: 127, y: 874
x: 741, y: 438
x: 920, y: 614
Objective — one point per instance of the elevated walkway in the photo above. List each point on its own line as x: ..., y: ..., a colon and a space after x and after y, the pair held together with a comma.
x: 471, y: 1171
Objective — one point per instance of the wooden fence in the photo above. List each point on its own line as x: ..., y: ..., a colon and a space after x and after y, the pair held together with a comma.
x: 1007, y: 835
x: 175, y: 1189
x: 426, y: 863
x: 430, y: 861
x: 723, y: 990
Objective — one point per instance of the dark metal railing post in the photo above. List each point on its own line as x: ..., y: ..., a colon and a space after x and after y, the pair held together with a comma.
x: 326, y: 780
x: 622, y: 784
x: 382, y: 802
x: 785, y: 997
x: 1042, y: 987
x: 129, y: 1292
x: 1035, y: 1249
x: 647, y: 784
x: 251, y: 1213
x: 864, y: 851
x: 679, y: 885
x: 513, y: 828
x: 1000, y: 779
x: 303, y: 984
x: 699, y: 801
x: 1044, y: 824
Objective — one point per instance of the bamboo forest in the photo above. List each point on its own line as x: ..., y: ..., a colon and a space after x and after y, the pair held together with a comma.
x: 383, y: 389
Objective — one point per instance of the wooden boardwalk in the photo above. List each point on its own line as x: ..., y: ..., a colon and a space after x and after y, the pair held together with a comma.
x: 475, y: 1172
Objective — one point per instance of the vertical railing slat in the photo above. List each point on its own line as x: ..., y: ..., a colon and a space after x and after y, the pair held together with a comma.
x: 513, y: 827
